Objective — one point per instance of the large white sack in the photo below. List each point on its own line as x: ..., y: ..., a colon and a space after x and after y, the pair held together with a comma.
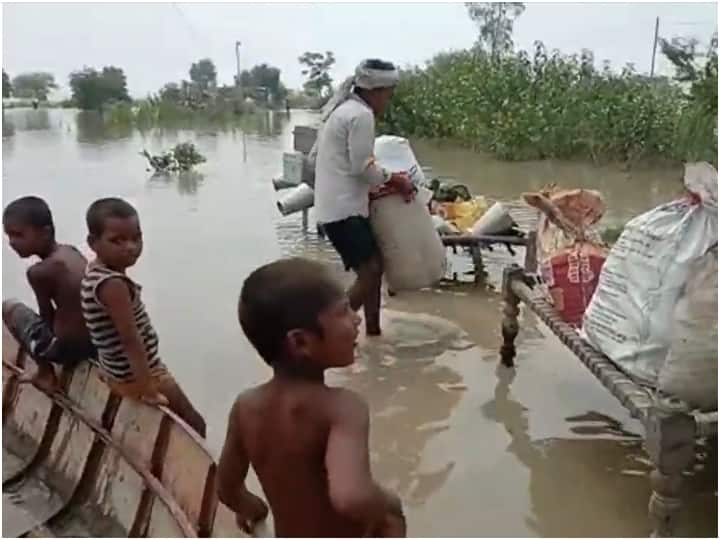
x: 413, y: 254
x: 630, y: 315
x: 690, y: 371
x: 396, y: 155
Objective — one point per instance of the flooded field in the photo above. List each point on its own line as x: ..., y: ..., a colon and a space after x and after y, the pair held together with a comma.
x: 472, y: 449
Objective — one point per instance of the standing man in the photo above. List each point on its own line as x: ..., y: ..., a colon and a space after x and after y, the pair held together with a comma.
x: 346, y: 171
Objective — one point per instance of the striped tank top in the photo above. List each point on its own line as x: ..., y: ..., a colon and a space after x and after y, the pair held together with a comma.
x: 112, y: 359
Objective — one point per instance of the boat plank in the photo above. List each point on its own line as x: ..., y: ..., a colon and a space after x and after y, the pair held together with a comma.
x: 136, y: 428
x: 187, y: 468
x: 12, y: 464
x: 17, y: 520
x: 27, y: 420
x: 68, y: 454
x: 88, y: 391
x: 163, y: 523
x: 28, y: 505
x: 117, y: 490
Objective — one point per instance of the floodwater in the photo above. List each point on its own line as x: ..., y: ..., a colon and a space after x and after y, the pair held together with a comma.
x: 473, y: 449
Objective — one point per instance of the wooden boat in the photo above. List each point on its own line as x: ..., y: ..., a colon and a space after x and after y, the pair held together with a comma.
x: 85, y: 462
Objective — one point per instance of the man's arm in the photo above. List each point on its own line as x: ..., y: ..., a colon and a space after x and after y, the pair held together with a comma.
x: 114, y: 294
x: 353, y: 493
x: 361, y: 149
x: 232, y: 471
x: 41, y: 284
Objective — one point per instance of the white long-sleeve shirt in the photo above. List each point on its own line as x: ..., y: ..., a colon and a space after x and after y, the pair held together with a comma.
x: 345, y: 167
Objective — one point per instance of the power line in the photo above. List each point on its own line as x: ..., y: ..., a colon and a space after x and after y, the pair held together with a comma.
x: 195, y: 35
x: 692, y: 23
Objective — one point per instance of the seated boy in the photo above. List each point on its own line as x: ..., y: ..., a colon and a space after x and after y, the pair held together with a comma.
x: 307, y: 442
x: 57, y: 335
x: 116, y: 318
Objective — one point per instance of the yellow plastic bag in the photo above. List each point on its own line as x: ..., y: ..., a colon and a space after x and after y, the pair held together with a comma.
x: 464, y: 214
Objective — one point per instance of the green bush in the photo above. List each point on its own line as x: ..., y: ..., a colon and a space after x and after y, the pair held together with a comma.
x: 549, y: 106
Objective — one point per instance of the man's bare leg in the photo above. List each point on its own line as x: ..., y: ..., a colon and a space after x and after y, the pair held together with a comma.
x: 356, y: 293
x: 370, y: 274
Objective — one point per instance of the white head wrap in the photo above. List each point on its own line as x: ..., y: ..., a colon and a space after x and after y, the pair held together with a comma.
x: 365, y: 77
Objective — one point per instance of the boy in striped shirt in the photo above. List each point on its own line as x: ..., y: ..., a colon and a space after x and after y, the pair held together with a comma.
x: 117, y: 321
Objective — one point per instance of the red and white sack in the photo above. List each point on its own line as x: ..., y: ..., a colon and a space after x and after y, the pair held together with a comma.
x: 570, y: 252
x: 571, y: 276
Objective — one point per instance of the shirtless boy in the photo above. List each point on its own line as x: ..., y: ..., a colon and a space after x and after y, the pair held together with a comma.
x: 307, y: 442
x: 57, y: 335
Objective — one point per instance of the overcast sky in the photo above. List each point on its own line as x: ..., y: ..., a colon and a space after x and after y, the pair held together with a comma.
x: 155, y: 43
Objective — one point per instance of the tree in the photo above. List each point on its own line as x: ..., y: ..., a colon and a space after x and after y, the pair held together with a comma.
x: 36, y: 85
x: 91, y: 89
x: 317, y: 70
x: 495, y: 22
x: 681, y: 52
x: 203, y: 74
x: 171, y: 92
x: 266, y: 80
x: 683, y: 55
x: 6, y: 86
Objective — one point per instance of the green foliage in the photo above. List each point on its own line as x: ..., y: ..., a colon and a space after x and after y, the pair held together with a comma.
x: 547, y: 106
x: 317, y: 70
x: 183, y: 157
x: 495, y: 25
x: 264, y: 82
x: 171, y: 92
x: 6, y: 86
x: 92, y: 89
x: 35, y: 85
x: 203, y: 74
x: 697, y: 132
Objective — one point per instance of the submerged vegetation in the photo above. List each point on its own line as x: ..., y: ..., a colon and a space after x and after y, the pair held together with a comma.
x: 182, y: 157
x: 554, y: 106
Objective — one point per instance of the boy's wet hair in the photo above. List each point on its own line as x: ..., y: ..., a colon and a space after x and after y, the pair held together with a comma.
x: 102, y: 209
x: 32, y: 211
x: 282, y: 296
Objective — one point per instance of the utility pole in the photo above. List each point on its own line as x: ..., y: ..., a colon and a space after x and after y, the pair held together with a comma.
x: 237, y: 59
x: 655, y: 42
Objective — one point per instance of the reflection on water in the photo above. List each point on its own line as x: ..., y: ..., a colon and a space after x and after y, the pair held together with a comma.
x: 27, y: 119
x: 569, y: 477
x: 91, y: 128
x: 411, y: 396
x: 472, y: 449
x: 186, y: 182
x: 8, y: 127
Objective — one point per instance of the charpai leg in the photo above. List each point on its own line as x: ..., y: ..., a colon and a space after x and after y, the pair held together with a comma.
x: 670, y: 444
x: 511, y: 310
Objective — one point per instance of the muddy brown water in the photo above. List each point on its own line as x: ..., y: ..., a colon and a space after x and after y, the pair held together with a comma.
x: 472, y: 449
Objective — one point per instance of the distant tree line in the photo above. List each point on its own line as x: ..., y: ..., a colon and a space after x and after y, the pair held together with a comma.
x: 96, y: 88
